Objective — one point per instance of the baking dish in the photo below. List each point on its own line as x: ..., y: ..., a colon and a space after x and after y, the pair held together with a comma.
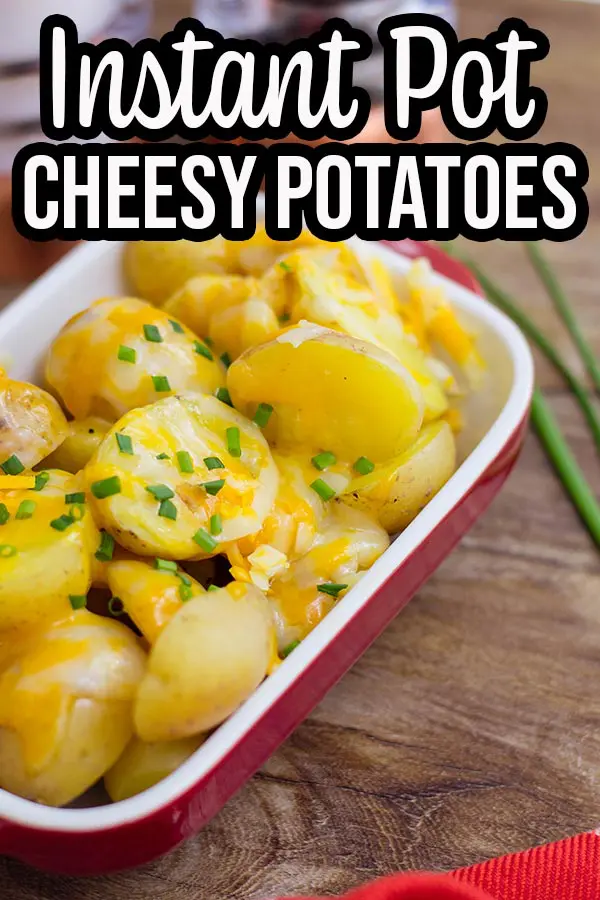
x: 97, y: 838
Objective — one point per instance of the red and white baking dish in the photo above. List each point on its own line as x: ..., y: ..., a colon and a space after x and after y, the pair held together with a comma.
x: 101, y: 838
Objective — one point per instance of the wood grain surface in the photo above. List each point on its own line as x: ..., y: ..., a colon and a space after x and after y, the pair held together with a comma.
x: 472, y: 727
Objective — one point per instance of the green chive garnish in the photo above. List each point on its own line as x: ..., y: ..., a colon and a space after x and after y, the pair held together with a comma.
x: 283, y: 265
x: 168, y: 510
x: 7, y: 550
x: 62, y: 523
x: 213, y: 487
x: 208, y: 341
x: 77, y: 511
x: 4, y: 514
x: 176, y: 326
x: 233, y: 441
x: 163, y: 456
x: 202, y: 350
x: 223, y: 395
x: 184, y: 461
x: 108, y: 487
x: 204, y: 540
x: 286, y: 652
x: 284, y: 318
x: 185, y: 578
x: 116, y: 607
x: 125, y: 443
x: 213, y: 587
x: 78, y: 601
x: 126, y: 354
x: 152, y: 334
x: 263, y: 414
x: 79, y: 497
x: 323, y: 460
x: 216, y: 524
x: 160, y: 491
x: 12, y: 466
x: 161, y: 384
x: 213, y: 462
x: 324, y: 491
x: 26, y: 509
x: 165, y: 565
x: 105, y: 551
x: 185, y: 592
x: 41, y: 480
x: 225, y: 359
x: 332, y: 589
x: 363, y: 466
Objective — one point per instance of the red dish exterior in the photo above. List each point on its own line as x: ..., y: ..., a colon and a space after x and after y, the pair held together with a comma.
x: 134, y: 843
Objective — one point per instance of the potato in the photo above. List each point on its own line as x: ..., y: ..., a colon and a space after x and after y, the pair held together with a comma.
x: 150, y: 596
x: 65, y: 707
x: 32, y: 424
x: 169, y: 438
x: 156, y: 269
x: 238, y: 328
x: 142, y: 765
x: 256, y: 255
x: 121, y: 353
x: 41, y: 564
x: 395, y: 492
x: 329, y: 392
x: 200, y: 298
x: 80, y: 444
x: 209, y: 658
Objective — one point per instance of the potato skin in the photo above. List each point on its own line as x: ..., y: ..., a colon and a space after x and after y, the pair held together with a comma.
x: 156, y: 269
x: 397, y: 491
x: 143, y: 765
x: 32, y: 424
x: 208, y: 659
x: 83, y: 438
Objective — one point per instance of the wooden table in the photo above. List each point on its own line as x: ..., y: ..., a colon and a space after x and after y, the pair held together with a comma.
x: 472, y: 727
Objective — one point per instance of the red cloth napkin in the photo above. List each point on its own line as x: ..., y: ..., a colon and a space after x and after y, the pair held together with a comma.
x: 567, y: 870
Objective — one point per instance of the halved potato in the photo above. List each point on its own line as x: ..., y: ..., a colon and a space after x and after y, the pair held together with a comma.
x: 83, y: 438
x: 167, y: 493
x: 143, y: 765
x: 256, y: 255
x: 196, y: 302
x: 238, y: 328
x: 156, y: 269
x: 66, y: 707
x: 121, y: 353
x: 208, y: 659
x: 32, y: 424
x: 395, y: 492
x: 329, y: 391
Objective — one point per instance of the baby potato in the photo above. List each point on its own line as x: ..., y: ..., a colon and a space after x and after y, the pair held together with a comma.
x: 65, y: 707
x: 121, y: 353
x: 83, y: 437
x: 256, y: 255
x: 240, y: 327
x: 142, y: 765
x: 32, y: 424
x: 200, y: 298
x: 208, y: 659
x: 156, y: 269
x: 397, y: 491
x: 197, y: 474
x: 329, y: 391
x: 46, y: 547
x: 150, y: 596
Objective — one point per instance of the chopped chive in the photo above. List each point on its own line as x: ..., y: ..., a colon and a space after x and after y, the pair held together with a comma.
x: 324, y: 491
x: 208, y: 341
x: 79, y: 497
x: 223, y: 395
x: 323, y: 460
x: 165, y: 565
x: 163, y: 456
x: 184, y: 460
x: 204, y: 540
x: 225, y: 359
x: 62, y: 523
x: 233, y: 441
x: 77, y: 511
x: 202, y: 350
x: 177, y: 328
x: 262, y: 414
x: 152, y: 334
x: 26, y: 509
x: 4, y: 514
x: 126, y: 354
x: 363, y: 466
x: 160, y: 491
x: 332, y: 589
x: 213, y: 487
x: 185, y: 592
x: 116, y: 607
x: 216, y: 524
x: 185, y: 578
x: 78, y: 601
x: 125, y: 443
x: 213, y: 462
x: 168, y: 510
x: 12, y: 466
x: 41, y: 480
x: 161, y: 384
x: 213, y: 587
x: 283, y: 265
x: 105, y: 551
x: 284, y: 318
x: 7, y: 550
x: 287, y: 650
x: 108, y: 487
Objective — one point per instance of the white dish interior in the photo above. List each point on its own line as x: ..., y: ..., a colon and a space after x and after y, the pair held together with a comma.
x: 29, y: 325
